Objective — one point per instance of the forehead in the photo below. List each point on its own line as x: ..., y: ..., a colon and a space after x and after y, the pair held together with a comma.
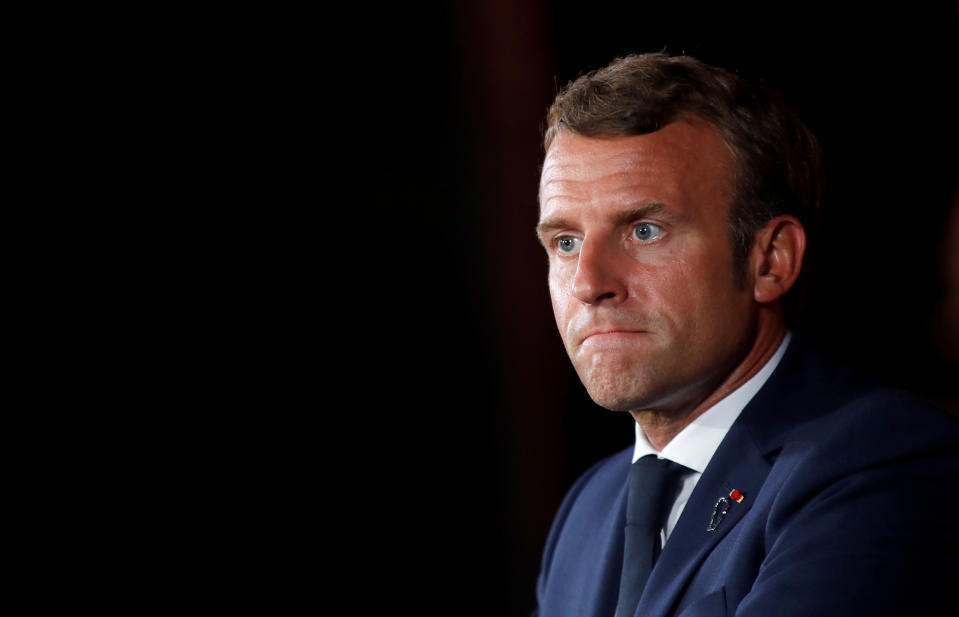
x: 680, y: 165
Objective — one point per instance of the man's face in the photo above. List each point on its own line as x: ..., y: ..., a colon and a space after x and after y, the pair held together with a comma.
x: 641, y: 267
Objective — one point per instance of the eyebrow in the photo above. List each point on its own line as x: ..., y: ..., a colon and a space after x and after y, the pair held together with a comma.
x: 650, y: 208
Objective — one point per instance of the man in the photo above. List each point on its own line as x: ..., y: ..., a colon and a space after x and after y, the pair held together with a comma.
x: 674, y: 204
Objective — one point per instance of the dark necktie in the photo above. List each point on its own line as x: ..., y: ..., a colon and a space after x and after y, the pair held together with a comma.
x: 653, y: 484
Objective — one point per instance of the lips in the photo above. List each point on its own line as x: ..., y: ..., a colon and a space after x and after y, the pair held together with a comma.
x: 603, y: 332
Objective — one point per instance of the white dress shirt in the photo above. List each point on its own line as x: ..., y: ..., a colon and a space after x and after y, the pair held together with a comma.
x: 695, y: 445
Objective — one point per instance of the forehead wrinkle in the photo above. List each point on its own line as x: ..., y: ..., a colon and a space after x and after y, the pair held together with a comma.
x: 562, y: 192
x: 628, y: 170
x: 581, y: 173
x: 571, y: 188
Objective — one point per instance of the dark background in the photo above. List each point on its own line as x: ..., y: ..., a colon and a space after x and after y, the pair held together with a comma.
x: 372, y: 339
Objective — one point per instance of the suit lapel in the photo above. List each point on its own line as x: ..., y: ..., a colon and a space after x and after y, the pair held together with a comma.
x: 737, y: 465
x: 742, y: 462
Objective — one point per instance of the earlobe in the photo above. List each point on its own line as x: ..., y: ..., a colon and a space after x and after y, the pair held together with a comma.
x: 776, y: 257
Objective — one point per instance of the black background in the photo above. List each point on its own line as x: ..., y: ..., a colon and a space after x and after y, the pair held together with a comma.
x: 379, y: 403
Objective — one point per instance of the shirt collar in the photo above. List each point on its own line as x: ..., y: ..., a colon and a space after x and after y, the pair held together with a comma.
x: 693, y: 446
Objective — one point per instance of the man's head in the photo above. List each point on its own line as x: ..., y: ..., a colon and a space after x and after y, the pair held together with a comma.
x: 671, y: 213
x: 778, y: 161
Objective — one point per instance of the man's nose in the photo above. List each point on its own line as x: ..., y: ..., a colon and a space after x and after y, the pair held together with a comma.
x: 599, y: 273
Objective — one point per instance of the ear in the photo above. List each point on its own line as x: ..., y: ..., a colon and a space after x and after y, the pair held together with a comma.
x: 776, y: 257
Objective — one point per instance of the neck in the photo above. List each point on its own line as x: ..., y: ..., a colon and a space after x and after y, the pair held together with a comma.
x: 660, y: 427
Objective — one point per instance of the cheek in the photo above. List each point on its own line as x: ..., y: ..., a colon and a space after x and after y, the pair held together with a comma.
x: 666, y: 274
x: 717, y: 304
x: 689, y: 289
x: 669, y: 282
x: 559, y: 298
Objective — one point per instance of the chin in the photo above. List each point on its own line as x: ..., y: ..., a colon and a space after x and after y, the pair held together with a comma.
x: 616, y: 399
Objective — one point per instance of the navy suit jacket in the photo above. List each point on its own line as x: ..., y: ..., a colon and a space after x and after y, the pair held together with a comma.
x: 850, y: 507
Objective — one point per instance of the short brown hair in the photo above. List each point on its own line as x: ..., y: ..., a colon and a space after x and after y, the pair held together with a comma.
x: 779, y: 162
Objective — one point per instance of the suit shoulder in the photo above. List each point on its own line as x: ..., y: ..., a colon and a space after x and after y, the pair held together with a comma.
x: 597, y: 484
x: 884, y: 418
x: 814, y: 402
x: 878, y: 439
x: 607, y: 473
x: 595, y: 488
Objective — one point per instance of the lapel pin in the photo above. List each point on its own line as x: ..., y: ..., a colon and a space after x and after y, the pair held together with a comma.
x: 719, y: 511
x: 736, y: 496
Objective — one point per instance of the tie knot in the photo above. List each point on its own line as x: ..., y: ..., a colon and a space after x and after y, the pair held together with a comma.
x: 653, y: 484
x: 652, y: 461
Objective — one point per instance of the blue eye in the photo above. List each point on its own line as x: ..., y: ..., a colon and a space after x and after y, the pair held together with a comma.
x: 567, y: 244
x: 645, y: 232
